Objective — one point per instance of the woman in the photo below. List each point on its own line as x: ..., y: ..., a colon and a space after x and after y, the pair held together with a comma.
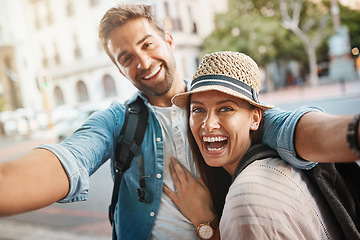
x: 269, y: 199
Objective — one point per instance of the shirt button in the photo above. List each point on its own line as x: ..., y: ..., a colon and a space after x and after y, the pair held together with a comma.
x: 152, y: 214
x: 158, y: 139
x: 176, y: 128
x: 158, y: 175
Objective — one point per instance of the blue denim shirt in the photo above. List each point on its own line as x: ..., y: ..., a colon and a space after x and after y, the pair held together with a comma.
x: 93, y: 144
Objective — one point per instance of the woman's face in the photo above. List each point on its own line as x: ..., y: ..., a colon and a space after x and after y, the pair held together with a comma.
x: 221, y: 127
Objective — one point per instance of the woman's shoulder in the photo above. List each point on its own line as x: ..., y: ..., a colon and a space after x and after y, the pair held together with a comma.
x: 268, y: 176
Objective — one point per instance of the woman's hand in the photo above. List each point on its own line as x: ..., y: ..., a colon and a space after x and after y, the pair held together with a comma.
x: 192, y: 196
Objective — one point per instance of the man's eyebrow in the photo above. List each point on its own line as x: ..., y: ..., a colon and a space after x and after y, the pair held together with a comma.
x: 138, y: 43
x: 143, y: 39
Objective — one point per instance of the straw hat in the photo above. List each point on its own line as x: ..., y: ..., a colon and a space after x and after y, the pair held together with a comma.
x: 232, y: 73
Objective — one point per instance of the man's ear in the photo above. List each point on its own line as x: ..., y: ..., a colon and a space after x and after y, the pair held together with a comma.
x: 255, y: 119
x: 169, y: 39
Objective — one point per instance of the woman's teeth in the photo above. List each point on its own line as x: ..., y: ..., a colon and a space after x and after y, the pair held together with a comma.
x: 215, y: 143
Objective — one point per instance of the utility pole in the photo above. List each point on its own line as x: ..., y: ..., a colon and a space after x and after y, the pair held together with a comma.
x: 335, y: 13
x: 341, y: 66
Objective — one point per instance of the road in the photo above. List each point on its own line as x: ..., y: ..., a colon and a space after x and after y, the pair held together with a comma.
x: 334, y: 98
x: 81, y: 220
x: 88, y: 220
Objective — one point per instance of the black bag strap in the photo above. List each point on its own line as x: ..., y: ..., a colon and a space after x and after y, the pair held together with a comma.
x: 339, y: 183
x: 128, y: 146
x: 255, y: 152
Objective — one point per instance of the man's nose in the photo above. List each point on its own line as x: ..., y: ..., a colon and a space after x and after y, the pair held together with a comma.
x: 144, y: 62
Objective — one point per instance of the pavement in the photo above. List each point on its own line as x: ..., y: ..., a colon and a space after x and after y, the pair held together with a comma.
x: 11, y: 229
x: 16, y: 230
x: 310, y: 93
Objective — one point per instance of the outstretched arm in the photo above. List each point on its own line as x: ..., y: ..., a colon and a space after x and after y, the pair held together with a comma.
x: 321, y: 137
x: 31, y: 182
x: 308, y: 135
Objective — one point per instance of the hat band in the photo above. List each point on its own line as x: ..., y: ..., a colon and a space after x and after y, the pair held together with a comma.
x: 229, y: 82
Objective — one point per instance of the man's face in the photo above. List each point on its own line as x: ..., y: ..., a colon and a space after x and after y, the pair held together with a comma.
x: 143, y: 56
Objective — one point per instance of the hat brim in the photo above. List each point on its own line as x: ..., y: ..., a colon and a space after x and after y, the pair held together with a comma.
x: 182, y: 99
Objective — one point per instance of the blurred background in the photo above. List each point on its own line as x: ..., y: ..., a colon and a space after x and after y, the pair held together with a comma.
x: 54, y: 73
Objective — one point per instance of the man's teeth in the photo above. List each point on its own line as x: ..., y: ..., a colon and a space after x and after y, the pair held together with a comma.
x: 214, y: 139
x: 156, y: 70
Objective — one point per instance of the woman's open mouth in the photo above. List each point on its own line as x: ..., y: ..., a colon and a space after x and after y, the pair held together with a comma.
x: 213, y: 144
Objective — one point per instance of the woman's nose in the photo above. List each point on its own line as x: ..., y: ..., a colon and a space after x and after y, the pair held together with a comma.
x: 211, y: 122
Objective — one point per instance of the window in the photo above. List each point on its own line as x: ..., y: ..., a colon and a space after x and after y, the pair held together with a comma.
x: 49, y: 16
x: 93, y: 3
x: 192, y: 20
x: 45, y: 60
x: 77, y: 49
x: 59, y: 97
x: 57, y: 55
x: 109, y: 88
x: 37, y: 18
x: 69, y: 8
x: 82, y: 91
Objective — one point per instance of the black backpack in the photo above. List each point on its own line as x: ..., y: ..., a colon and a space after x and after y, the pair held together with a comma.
x: 339, y: 184
x: 127, y: 147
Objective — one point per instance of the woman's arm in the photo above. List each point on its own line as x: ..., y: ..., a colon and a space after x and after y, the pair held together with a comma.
x: 191, y: 196
x: 31, y: 182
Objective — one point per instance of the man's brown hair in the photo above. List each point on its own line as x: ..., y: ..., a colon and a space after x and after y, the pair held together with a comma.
x: 120, y: 15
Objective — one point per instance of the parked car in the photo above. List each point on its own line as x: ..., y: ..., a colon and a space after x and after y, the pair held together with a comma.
x: 67, y: 127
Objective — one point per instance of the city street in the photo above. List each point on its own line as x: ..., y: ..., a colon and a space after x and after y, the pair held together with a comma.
x: 81, y: 220
x: 88, y: 220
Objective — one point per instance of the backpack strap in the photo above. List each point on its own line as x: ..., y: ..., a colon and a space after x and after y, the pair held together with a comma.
x: 339, y: 185
x: 128, y: 147
x: 255, y: 152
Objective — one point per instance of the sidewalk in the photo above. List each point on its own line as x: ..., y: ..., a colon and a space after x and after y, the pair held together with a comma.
x: 14, y: 230
x: 306, y: 93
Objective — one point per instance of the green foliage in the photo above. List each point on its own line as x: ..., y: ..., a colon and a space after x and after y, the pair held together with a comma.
x: 351, y: 18
x: 254, y: 28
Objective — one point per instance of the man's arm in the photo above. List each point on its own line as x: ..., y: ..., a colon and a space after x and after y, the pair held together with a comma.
x: 31, y: 182
x: 321, y: 137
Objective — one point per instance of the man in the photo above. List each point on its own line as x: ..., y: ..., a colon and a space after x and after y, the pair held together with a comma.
x: 143, y: 53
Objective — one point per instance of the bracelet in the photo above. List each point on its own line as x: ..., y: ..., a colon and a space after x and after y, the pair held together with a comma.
x: 352, y: 135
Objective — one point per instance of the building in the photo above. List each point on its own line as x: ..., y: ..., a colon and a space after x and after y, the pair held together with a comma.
x: 57, y: 57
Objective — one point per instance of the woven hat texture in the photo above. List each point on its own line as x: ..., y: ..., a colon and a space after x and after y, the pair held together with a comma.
x: 229, y: 72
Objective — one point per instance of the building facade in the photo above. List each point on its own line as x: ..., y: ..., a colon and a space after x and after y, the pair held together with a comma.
x: 58, y: 59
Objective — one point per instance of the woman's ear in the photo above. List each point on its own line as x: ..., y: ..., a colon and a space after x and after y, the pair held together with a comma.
x: 255, y: 119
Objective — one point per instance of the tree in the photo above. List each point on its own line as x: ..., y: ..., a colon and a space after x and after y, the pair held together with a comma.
x: 254, y: 27
x: 312, y: 28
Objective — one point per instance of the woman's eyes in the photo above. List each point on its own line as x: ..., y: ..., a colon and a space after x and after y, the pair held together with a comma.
x: 226, y: 109
x: 197, y: 110
x: 222, y: 109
